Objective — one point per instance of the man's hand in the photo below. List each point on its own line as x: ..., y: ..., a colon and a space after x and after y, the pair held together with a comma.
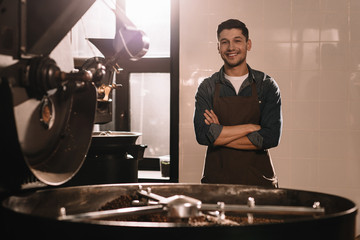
x: 210, y: 117
x: 232, y: 136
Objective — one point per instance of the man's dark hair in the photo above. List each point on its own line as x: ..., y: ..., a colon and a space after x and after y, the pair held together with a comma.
x: 233, y: 23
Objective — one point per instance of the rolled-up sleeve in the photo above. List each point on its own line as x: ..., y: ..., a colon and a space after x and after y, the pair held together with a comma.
x: 205, y: 134
x: 271, y: 118
x: 256, y: 139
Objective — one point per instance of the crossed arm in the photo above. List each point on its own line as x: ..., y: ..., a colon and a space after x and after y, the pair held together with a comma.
x: 232, y: 136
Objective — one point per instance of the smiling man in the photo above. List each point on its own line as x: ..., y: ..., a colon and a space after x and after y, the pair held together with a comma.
x: 238, y: 115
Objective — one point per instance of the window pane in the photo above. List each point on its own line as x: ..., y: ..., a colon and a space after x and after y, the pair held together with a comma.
x: 153, y: 17
x: 150, y: 111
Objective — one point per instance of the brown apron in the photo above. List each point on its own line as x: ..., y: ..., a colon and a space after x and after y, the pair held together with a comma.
x: 233, y: 166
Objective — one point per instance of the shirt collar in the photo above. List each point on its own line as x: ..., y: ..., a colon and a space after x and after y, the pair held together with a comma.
x: 251, y: 76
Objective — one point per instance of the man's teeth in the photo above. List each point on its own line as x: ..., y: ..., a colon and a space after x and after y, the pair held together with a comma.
x: 232, y: 55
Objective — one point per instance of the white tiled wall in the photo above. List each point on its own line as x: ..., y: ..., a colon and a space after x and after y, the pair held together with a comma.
x: 312, y: 49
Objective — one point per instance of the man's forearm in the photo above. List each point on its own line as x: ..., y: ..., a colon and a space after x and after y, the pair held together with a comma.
x: 242, y: 143
x: 232, y: 136
x: 236, y: 135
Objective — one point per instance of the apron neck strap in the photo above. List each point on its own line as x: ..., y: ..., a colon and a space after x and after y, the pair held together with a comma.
x: 253, y: 89
x: 217, y: 90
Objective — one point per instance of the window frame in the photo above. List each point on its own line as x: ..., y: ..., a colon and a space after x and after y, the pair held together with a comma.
x: 154, y: 65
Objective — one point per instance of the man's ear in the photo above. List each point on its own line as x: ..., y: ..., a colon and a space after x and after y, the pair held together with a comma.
x: 218, y: 47
x: 249, y: 44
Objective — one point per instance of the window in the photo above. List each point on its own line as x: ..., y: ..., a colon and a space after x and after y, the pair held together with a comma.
x: 150, y: 111
x: 153, y: 17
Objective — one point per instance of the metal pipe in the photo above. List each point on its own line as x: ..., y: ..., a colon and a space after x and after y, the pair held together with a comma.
x: 266, y: 209
x: 109, y: 213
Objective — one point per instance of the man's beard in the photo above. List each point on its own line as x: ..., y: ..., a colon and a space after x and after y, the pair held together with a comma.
x: 232, y: 65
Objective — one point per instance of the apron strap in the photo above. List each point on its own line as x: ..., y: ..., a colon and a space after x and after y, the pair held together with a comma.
x: 254, y: 90
x: 217, y: 90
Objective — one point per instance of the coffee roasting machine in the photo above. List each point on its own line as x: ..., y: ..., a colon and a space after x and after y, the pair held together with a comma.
x: 47, y: 117
x: 65, y: 104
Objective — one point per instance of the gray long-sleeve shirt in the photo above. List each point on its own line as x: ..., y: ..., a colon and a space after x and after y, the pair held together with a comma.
x: 270, y: 108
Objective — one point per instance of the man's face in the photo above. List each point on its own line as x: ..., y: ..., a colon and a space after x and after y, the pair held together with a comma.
x: 233, y: 47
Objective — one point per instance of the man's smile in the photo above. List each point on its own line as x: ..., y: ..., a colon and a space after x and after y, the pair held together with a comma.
x: 231, y: 54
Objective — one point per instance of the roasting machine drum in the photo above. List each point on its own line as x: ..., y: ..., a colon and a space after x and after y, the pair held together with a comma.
x: 74, y: 212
